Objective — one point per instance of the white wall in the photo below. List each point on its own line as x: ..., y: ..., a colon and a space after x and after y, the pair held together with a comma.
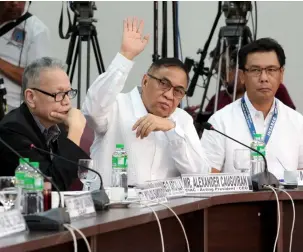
x: 279, y: 20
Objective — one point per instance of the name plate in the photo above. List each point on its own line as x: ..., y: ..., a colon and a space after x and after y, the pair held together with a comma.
x: 213, y: 183
x: 80, y: 206
x: 11, y: 222
x: 152, y: 196
x: 300, y: 178
x: 173, y: 187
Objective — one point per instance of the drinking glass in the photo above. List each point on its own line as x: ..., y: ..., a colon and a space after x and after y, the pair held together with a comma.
x: 242, y: 160
x: 86, y: 176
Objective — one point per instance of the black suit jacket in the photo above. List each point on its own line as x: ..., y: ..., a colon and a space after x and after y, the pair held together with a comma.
x: 19, y: 129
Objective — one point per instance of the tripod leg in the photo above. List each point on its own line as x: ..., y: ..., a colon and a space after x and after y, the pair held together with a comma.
x: 164, y: 29
x: 71, y: 46
x: 219, y: 75
x: 88, y: 63
x: 98, y: 51
x: 237, y: 69
x: 175, y: 29
x: 70, y: 52
x: 79, y: 70
x: 74, y: 61
x: 156, y: 10
x: 96, y: 55
x: 209, y: 76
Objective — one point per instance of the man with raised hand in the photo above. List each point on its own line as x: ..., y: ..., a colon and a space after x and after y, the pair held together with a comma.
x: 160, y: 138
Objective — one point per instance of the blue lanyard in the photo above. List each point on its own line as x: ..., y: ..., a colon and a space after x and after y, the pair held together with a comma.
x: 250, y: 123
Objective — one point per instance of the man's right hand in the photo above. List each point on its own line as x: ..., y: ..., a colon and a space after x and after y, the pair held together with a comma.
x: 132, y: 41
x: 73, y: 120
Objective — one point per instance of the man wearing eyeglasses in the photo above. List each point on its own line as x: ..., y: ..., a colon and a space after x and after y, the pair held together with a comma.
x: 261, y: 65
x: 160, y: 138
x: 47, y: 120
x: 225, y: 96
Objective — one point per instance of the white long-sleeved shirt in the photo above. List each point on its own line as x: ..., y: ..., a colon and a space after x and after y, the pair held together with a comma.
x: 284, y: 149
x: 112, y: 114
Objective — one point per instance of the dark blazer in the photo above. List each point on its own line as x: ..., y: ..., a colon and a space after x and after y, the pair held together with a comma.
x: 19, y: 129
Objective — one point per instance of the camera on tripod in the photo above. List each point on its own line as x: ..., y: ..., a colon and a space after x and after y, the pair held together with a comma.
x: 236, y: 12
x: 81, y: 30
x: 83, y: 10
x: 231, y: 38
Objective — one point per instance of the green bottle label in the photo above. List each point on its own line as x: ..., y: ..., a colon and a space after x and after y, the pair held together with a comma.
x: 29, y: 182
x: 119, y: 162
x: 20, y: 178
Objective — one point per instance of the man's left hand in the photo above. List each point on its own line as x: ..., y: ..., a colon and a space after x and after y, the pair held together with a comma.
x: 145, y: 125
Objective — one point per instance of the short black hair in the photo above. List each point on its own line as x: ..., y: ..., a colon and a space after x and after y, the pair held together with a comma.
x: 169, y: 62
x: 261, y: 45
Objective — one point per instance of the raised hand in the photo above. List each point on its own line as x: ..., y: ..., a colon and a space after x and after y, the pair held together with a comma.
x: 133, y: 41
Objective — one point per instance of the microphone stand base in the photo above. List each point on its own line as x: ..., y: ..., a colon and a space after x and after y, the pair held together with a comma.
x: 261, y: 179
x: 51, y: 220
x: 100, y: 199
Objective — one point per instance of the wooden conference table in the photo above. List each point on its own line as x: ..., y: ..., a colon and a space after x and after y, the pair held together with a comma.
x: 218, y: 223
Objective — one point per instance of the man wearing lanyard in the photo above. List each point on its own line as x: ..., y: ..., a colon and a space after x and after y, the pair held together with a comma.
x: 261, y: 65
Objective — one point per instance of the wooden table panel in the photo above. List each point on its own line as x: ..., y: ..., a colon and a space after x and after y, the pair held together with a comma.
x: 242, y: 227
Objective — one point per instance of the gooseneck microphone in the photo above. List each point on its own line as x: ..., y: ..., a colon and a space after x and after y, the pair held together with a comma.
x: 32, y: 146
x: 260, y: 179
x: 99, y: 197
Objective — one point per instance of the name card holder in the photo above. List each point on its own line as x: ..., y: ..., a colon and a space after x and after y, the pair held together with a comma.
x: 173, y: 187
x: 216, y: 183
x: 11, y: 222
x: 80, y: 206
x: 152, y: 196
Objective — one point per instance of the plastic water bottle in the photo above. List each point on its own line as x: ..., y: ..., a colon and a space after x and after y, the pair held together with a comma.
x: 256, y: 159
x: 119, y: 168
x: 20, y: 172
x: 33, y: 196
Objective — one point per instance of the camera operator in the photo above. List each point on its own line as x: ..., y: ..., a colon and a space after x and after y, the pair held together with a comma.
x: 23, y: 38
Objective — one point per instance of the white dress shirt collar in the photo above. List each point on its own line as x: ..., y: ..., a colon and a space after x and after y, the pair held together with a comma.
x: 138, y: 105
x: 253, y: 111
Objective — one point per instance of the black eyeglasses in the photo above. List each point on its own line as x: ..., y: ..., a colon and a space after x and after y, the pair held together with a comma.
x: 165, y: 85
x: 60, y: 95
x: 257, y: 71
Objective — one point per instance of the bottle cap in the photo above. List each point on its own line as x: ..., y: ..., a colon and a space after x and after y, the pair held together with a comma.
x: 35, y: 164
x: 23, y: 160
x: 257, y: 135
x: 119, y: 146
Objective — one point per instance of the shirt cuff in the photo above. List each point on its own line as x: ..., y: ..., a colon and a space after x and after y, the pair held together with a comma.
x: 174, y: 134
x: 123, y: 63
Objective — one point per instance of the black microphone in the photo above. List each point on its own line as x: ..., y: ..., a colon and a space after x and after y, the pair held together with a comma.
x: 52, y: 219
x: 260, y: 179
x: 100, y: 197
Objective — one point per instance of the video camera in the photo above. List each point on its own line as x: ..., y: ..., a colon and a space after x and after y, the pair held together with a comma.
x: 83, y: 9
x: 236, y: 12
